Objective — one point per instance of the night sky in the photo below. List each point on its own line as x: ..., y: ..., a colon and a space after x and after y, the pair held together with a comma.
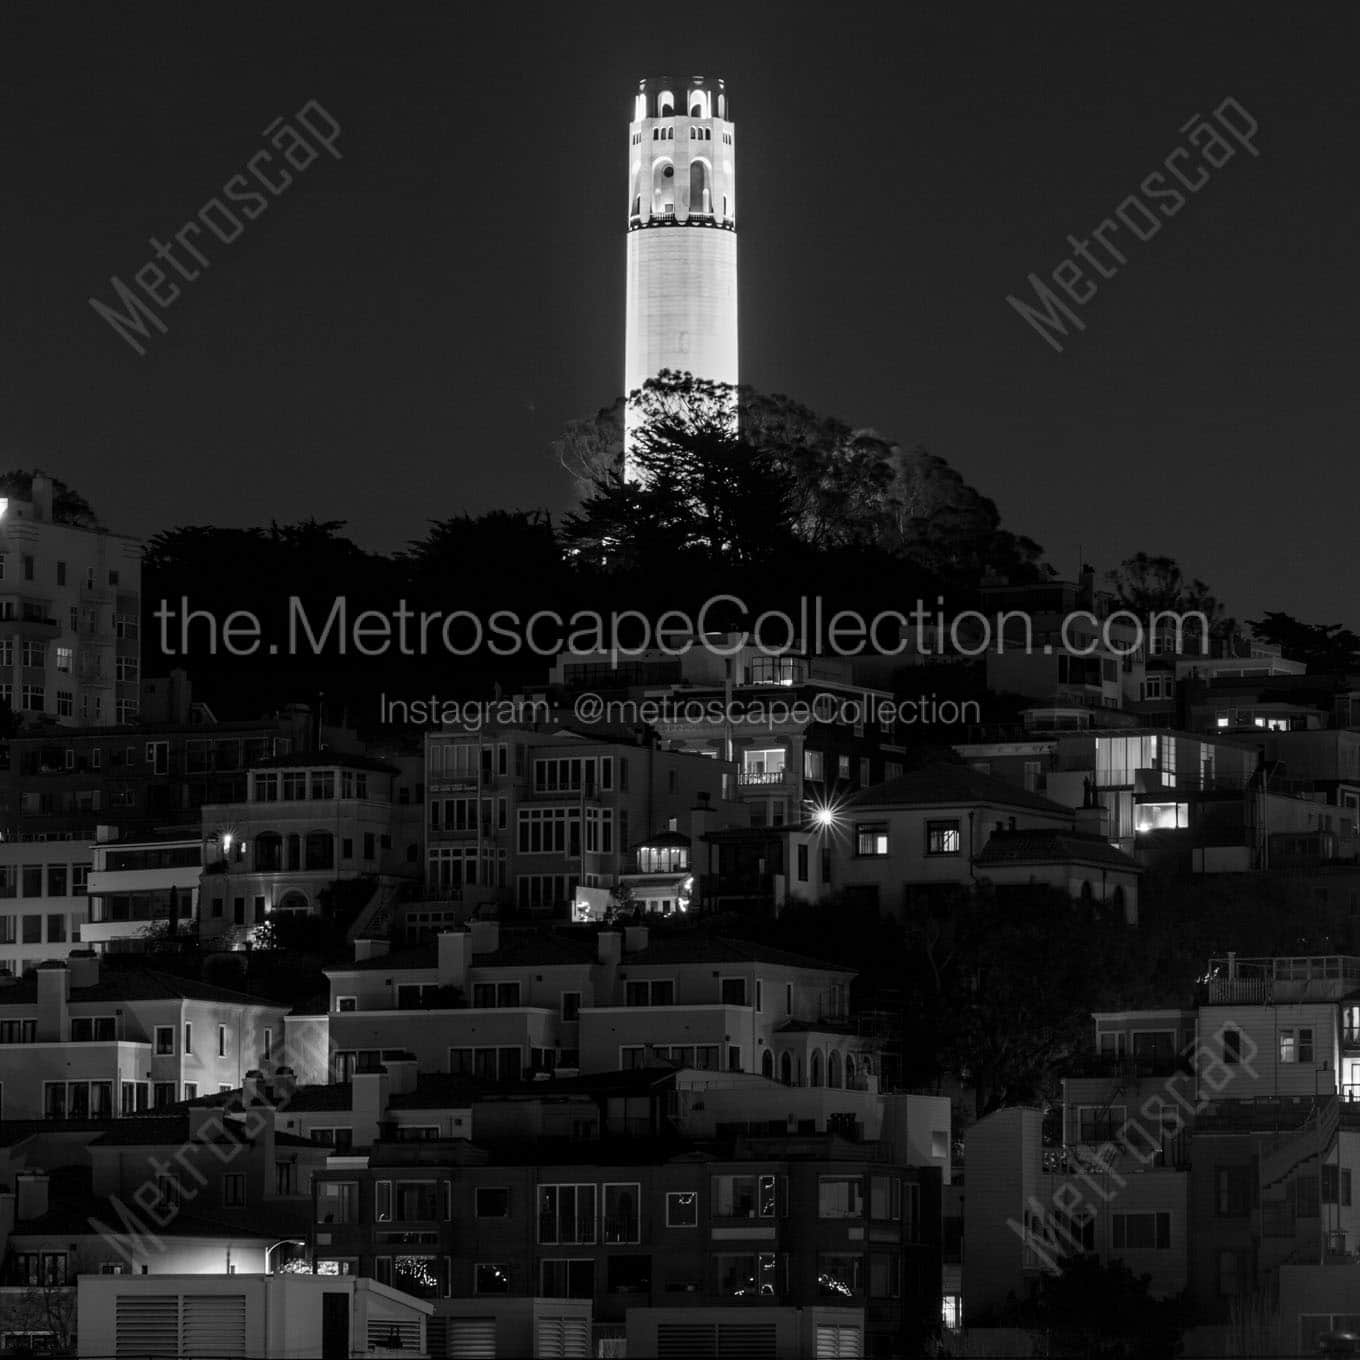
x: 403, y: 332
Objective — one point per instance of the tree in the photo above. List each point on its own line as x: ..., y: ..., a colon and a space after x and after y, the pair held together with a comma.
x: 1325, y: 648
x: 1148, y: 586
x: 729, y: 472
x: 1101, y: 1311
x: 68, y: 506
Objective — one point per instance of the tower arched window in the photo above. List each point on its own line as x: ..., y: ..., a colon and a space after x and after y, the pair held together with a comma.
x: 849, y: 1072
x: 665, y: 104
x: 699, y: 104
x: 815, y: 1069
x: 786, y: 1068
x: 700, y: 188
x: 663, y: 188
x: 1117, y: 900
x: 767, y: 1064
x: 833, y: 1069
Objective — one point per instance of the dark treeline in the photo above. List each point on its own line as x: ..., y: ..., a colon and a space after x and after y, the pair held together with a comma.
x: 740, y: 495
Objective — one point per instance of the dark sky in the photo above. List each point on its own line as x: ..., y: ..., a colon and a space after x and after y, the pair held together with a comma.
x: 404, y: 331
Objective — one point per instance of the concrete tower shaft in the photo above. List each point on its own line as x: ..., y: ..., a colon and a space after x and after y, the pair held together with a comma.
x: 682, y: 233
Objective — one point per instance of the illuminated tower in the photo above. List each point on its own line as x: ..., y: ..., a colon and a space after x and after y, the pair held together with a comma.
x: 682, y: 234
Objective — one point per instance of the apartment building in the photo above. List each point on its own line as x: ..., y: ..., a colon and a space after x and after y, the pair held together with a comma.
x: 524, y: 818
x: 767, y: 1224
x: 44, y: 903
x: 78, y: 1041
x: 70, y: 608
x: 495, y: 1003
x: 307, y: 822
x: 64, y: 784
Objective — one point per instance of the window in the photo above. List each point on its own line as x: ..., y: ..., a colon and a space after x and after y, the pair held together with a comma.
x: 885, y: 1198
x: 32, y: 929
x: 233, y: 1190
x: 621, y: 1218
x: 1142, y: 1231
x: 733, y: 991
x: 741, y: 1196
x: 56, y: 929
x: 871, y: 838
x: 885, y: 1274
x: 839, y: 1275
x: 492, y: 1201
x: 567, y: 1279
x: 802, y: 864
x: 337, y: 1202
x: 490, y: 1277
x: 566, y: 1214
x: 1232, y: 1046
x: 56, y: 880
x: 1336, y: 1184
x: 32, y: 880
x: 571, y: 1005
x: 221, y: 1041
x: 746, y: 1275
x: 942, y: 838
x: 165, y: 1040
x: 682, y: 1209
x: 840, y: 1197
x: 1289, y: 1047
x: 163, y: 1094
x: 188, y: 1038
x: 190, y: 1090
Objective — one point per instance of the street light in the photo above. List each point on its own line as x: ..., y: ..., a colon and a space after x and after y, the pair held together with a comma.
x: 282, y: 1242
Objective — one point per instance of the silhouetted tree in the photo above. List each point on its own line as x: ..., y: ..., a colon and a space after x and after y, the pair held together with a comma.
x: 1324, y: 647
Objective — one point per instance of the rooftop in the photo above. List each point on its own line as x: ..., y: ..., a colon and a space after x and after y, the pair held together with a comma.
x: 935, y: 785
x: 1054, y: 847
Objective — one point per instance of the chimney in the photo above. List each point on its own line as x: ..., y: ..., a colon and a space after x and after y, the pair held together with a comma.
x: 634, y: 939
x: 283, y: 1085
x: 30, y: 1195
x: 42, y: 497
x: 486, y: 936
x: 700, y: 823
x: 6, y: 1217
x: 253, y: 1088
x: 610, y: 946
x: 454, y: 952
x: 365, y: 948
x: 53, y: 980
x: 369, y: 1090
x: 83, y: 967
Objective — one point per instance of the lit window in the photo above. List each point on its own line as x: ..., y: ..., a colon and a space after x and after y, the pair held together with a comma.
x: 871, y: 838
x: 942, y: 838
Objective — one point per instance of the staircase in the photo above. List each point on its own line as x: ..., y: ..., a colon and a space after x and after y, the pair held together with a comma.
x: 375, y: 920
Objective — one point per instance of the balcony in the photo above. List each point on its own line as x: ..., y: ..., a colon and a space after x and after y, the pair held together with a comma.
x: 764, y: 778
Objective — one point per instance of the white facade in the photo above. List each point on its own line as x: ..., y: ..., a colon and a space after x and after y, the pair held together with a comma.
x: 257, y: 1315
x: 682, y: 242
x: 70, y: 607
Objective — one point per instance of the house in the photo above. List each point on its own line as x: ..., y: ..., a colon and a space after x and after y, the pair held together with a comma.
x: 69, y: 615
x: 309, y: 822
x: 79, y: 1041
x: 527, y: 816
x: 932, y: 831
x: 268, y: 1316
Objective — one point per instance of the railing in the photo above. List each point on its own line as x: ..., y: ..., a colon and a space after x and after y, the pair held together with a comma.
x: 762, y: 777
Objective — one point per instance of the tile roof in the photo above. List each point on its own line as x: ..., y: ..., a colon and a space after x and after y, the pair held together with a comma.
x: 142, y: 984
x: 945, y: 784
x: 693, y: 948
x: 1053, y: 847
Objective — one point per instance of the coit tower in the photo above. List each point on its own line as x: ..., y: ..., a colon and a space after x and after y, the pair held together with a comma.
x: 682, y: 234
